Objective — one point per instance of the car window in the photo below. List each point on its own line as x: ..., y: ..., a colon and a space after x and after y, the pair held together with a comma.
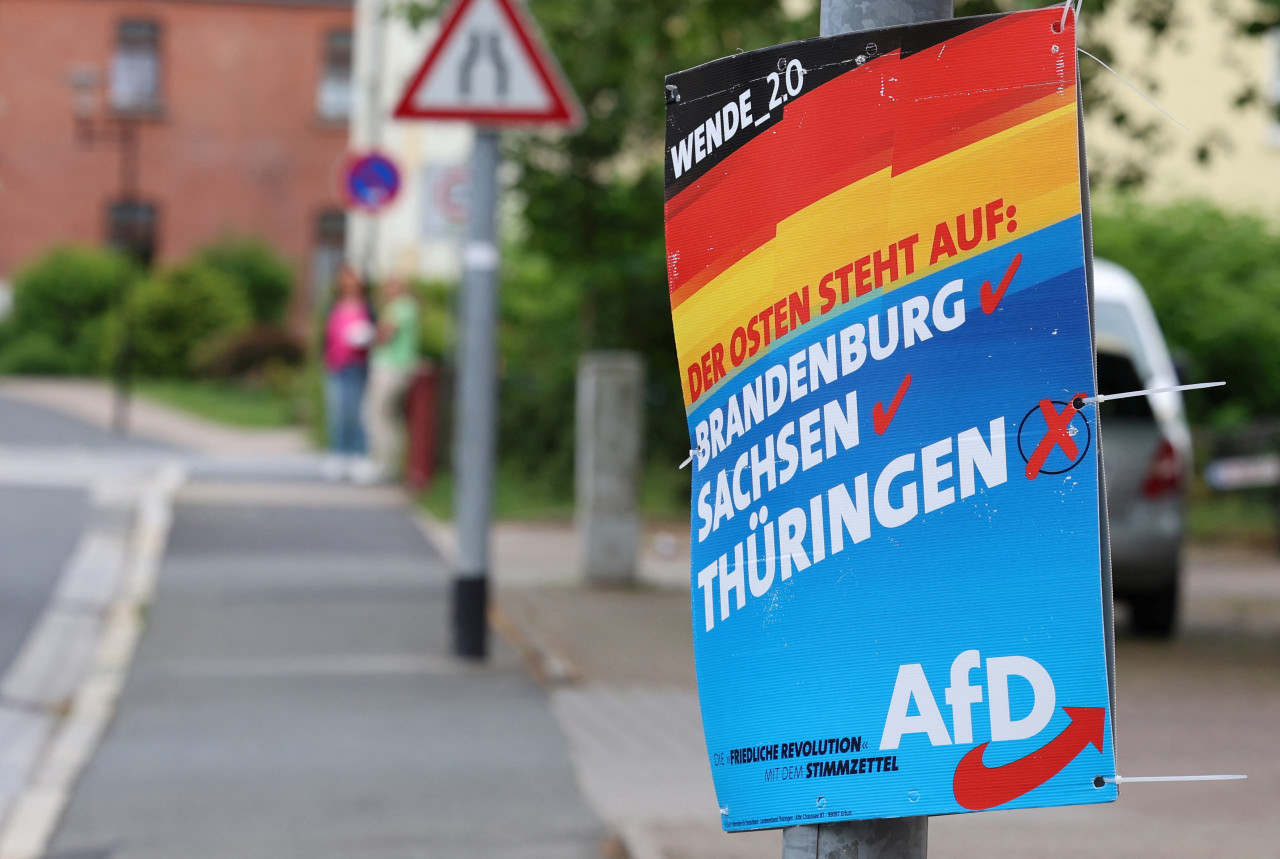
x: 1115, y: 322
x: 1117, y: 375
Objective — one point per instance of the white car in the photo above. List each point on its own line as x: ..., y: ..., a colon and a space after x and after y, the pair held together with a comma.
x: 1146, y: 451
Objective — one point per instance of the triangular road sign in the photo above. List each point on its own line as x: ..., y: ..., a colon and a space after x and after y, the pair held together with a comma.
x: 489, y: 66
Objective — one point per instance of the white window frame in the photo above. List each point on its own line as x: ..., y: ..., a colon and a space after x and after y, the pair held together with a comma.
x: 135, y: 67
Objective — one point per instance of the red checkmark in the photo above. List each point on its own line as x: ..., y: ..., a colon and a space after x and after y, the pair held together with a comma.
x: 882, y: 417
x: 991, y: 299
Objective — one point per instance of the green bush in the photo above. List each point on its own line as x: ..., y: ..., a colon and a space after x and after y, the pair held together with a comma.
x: 259, y: 272
x: 64, y: 298
x: 236, y: 354
x: 171, y: 315
x: 1214, y: 281
x: 35, y: 353
x: 436, y: 329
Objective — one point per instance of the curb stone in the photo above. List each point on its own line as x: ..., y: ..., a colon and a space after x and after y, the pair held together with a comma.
x: 37, y: 808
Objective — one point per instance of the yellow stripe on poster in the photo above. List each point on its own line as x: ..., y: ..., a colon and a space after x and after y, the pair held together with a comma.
x: 876, y: 235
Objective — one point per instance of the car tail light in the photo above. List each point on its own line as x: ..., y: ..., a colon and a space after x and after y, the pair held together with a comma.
x: 1165, y: 474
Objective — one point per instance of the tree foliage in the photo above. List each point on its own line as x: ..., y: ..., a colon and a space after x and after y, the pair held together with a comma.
x: 1213, y: 279
x: 172, y: 314
x: 60, y: 302
x: 261, y: 274
x: 589, y: 268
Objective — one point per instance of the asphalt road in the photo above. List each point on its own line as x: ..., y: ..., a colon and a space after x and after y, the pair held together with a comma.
x: 39, y: 525
x: 26, y: 424
x: 39, y: 528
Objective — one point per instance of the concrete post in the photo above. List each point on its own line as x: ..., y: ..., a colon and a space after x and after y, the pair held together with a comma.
x: 901, y: 837
x: 609, y: 418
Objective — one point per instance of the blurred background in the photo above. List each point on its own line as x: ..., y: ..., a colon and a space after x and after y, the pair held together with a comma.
x: 175, y: 204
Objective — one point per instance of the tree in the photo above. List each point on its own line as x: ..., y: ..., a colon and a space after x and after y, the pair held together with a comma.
x: 257, y: 271
x: 59, y: 306
x: 592, y: 214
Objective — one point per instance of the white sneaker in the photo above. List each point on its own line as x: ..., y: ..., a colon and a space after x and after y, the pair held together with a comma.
x: 334, y: 467
x: 365, y: 472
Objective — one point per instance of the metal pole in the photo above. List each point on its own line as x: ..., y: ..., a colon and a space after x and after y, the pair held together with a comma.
x: 375, y: 115
x: 127, y: 140
x: 474, y: 437
x: 897, y: 837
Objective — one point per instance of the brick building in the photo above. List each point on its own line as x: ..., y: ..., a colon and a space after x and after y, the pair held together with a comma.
x: 160, y: 125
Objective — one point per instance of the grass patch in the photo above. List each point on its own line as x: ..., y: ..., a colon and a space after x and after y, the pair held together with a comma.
x: 517, y: 496
x: 223, y: 402
x: 1241, y: 518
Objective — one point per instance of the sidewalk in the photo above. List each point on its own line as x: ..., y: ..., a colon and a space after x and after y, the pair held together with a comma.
x: 292, y: 692
x: 293, y: 696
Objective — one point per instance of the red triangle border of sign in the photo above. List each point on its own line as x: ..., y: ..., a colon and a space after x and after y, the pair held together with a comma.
x: 564, y: 105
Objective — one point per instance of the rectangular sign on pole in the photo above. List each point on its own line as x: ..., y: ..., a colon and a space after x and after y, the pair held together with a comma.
x: 877, y: 278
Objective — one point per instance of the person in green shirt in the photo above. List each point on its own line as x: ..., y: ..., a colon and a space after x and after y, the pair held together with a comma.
x: 394, y: 357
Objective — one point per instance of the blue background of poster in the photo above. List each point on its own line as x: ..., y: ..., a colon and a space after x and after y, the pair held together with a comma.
x: 1011, y: 570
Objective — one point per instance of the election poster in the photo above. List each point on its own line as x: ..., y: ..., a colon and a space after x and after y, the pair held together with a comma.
x: 877, y: 274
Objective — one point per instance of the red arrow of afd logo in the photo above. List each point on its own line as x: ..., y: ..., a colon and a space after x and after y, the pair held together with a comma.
x: 978, y: 787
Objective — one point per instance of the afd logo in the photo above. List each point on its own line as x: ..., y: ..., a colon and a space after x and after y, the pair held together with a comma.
x: 976, y: 786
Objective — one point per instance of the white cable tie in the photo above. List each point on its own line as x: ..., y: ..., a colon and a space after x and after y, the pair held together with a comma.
x: 1145, y: 97
x: 1102, y: 398
x: 692, y: 454
x: 1068, y: 6
x: 1119, y: 779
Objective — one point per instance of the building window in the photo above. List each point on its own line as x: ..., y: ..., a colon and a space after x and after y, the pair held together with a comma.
x: 135, y: 67
x: 330, y: 249
x: 333, y: 98
x: 131, y: 229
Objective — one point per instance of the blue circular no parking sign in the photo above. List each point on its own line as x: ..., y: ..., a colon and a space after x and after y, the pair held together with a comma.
x: 371, y: 181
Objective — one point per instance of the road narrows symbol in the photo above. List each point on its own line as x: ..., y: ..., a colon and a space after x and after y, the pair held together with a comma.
x: 494, y: 50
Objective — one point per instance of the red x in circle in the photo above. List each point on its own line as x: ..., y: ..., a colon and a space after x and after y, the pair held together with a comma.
x: 1056, y: 436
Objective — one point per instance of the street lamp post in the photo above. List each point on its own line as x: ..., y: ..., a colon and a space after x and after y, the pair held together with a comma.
x: 118, y: 129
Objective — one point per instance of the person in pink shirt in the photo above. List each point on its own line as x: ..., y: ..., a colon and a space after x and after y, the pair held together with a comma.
x: 348, y: 334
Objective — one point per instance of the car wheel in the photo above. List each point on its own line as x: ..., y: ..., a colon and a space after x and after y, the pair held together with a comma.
x: 1155, y: 614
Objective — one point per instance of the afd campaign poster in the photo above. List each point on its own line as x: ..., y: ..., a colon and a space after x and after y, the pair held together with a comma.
x: 877, y: 279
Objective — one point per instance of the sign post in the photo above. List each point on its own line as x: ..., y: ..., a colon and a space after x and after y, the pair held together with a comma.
x: 487, y: 67
x: 878, y: 276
